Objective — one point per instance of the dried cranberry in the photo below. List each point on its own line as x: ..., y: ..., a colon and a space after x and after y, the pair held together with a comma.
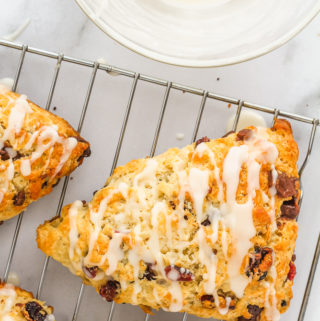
x: 110, y: 290
x: 244, y: 134
x: 204, y: 139
x: 35, y: 311
x: 176, y: 273
x: 19, y: 198
x: 290, y: 209
x: 260, y: 263
x: 255, y: 312
x: 206, y: 222
x: 90, y: 272
x: 149, y: 273
x: 292, y: 272
x: 286, y: 186
x: 228, y: 133
x: 207, y: 297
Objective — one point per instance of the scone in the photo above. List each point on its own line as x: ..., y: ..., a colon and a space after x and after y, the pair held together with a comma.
x: 208, y: 229
x: 19, y: 305
x: 37, y: 148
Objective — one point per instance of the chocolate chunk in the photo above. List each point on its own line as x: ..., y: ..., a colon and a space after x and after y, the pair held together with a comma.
x: 90, y: 272
x: 176, y: 273
x: 244, y: 134
x: 185, y: 217
x: 86, y: 153
x: 34, y: 311
x: 286, y: 186
x: 110, y: 290
x: 149, y: 273
x: 19, y: 198
x: 18, y: 155
x: 255, y: 312
x: 294, y: 257
x: 259, y: 263
x: 206, y: 222
x: 283, y: 303
x: 4, y: 154
x: 228, y: 133
x: 1, y: 222
x: 204, y: 139
x: 290, y: 209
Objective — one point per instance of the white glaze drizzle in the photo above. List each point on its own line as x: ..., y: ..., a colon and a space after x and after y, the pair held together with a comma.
x: 68, y: 145
x: 273, y: 192
x: 134, y: 260
x: 25, y: 167
x: 198, y: 188
x: 44, y: 138
x: 97, y: 216
x: 176, y: 297
x: 8, y: 292
x: 231, y: 217
x: 146, y: 177
x: 271, y: 311
x: 73, y: 232
x: 114, y: 253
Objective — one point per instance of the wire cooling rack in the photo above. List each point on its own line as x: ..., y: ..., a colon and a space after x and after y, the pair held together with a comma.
x: 136, y: 78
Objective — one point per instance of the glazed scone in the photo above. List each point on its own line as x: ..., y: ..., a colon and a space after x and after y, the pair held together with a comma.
x: 37, y: 148
x: 19, y: 305
x: 208, y: 229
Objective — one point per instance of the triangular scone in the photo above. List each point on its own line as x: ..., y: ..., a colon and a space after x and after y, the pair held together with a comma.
x: 37, y: 148
x: 208, y: 229
x: 18, y: 305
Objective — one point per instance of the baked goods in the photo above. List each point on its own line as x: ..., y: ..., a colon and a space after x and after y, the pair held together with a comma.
x: 208, y: 229
x: 19, y: 305
x: 37, y: 148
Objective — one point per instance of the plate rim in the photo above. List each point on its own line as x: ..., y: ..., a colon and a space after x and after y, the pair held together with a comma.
x: 194, y: 63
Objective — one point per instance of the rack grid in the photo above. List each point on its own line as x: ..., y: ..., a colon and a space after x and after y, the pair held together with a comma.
x: 136, y: 77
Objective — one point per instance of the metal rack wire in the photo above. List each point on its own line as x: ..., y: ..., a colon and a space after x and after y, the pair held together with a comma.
x: 136, y: 77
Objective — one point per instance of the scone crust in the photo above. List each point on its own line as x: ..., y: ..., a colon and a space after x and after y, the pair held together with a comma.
x: 278, y: 235
x: 21, y: 190
x: 19, y: 308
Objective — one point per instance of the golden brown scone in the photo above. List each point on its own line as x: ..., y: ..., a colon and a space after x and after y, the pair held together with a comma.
x: 19, y: 305
x: 37, y: 148
x: 208, y: 229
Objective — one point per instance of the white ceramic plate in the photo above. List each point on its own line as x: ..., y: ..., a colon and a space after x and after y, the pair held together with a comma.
x: 201, y: 33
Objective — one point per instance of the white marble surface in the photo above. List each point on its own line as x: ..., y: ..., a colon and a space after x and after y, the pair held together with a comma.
x: 288, y: 78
